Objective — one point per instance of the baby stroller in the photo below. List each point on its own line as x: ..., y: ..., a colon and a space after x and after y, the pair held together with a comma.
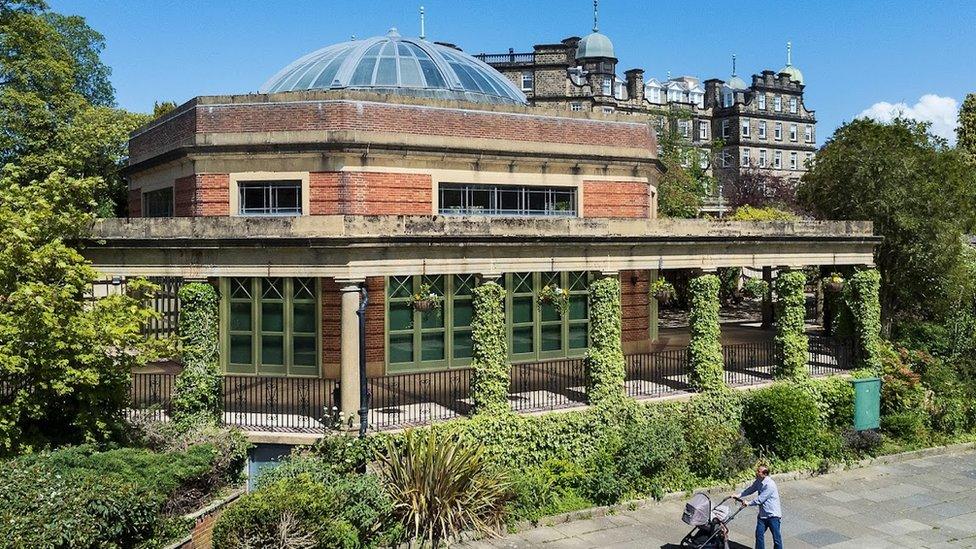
x: 710, y: 523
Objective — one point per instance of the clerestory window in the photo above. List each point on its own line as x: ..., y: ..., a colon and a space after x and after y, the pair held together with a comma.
x: 270, y: 197
x: 506, y: 200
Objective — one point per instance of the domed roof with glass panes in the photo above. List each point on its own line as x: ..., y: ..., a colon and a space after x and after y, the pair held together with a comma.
x: 398, y: 65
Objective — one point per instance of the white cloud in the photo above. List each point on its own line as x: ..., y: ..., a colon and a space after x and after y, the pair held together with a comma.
x: 942, y: 112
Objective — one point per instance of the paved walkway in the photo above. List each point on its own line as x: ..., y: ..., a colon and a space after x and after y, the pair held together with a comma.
x: 924, y: 502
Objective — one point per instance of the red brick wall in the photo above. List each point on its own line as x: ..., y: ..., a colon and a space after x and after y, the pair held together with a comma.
x: 135, y: 203
x: 375, y: 326
x: 634, y: 301
x: 615, y: 199
x: 336, y: 115
x: 202, y: 195
x: 370, y: 193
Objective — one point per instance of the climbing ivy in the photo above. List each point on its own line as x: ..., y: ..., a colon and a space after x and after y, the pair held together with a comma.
x: 791, y: 339
x: 861, y: 298
x: 705, y: 346
x: 489, y: 350
x: 197, y: 391
x: 605, y: 358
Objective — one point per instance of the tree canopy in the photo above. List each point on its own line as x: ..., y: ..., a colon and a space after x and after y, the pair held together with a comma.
x: 966, y: 131
x: 685, y: 183
x: 919, y: 193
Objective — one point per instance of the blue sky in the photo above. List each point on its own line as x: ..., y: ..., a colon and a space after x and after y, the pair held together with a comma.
x: 856, y: 55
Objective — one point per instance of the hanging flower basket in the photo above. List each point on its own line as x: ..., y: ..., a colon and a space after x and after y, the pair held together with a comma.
x: 550, y: 294
x: 663, y: 291
x: 833, y: 283
x: 425, y: 299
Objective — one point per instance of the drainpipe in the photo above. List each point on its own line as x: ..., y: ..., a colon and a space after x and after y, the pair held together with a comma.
x: 363, y: 389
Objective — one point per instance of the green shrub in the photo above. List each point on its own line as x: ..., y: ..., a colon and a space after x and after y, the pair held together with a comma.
x: 344, y: 452
x: 441, y: 486
x: 650, y: 441
x: 768, y: 213
x: 310, y: 508
x: 549, y: 489
x: 901, y: 388
x: 907, y: 426
x: 791, y: 339
x: 489, y: 350
x: 603, y: 485
x: 707, y: 367
x: 712, y: 431
x: 197, y: 392
x: 604, y: 358
x: 783, y: 420
x: 835, y: 400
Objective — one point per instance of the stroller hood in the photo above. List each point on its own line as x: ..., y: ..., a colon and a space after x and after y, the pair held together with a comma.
x: 698, y: 511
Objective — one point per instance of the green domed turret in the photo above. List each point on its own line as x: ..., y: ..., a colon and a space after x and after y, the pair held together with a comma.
x: 795, y: 74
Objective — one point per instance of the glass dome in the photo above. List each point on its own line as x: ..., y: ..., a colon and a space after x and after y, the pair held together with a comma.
x: 393, y: 64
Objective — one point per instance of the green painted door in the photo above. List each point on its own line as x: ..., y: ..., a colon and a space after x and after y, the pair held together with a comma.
x: 867, y: 403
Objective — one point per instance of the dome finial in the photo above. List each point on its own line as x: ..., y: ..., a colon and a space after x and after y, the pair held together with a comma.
x: 392, y: 33
x: 733, y: 64
x: 422, y: 33
x: 596, y: 26
x: 789, y: 54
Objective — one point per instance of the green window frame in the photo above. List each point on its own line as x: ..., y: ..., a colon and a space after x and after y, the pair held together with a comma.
x: 441, y: 338
x: 271, y: 326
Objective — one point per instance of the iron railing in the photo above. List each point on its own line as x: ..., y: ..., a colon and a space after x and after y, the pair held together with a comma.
x: 402, y: 400
x: 502, y: 58
x: 293, y: 404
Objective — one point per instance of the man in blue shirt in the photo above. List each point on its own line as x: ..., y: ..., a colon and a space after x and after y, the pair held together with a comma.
x: 767, y: 499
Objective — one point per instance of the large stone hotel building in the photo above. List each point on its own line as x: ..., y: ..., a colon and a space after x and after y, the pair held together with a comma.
x: 382, y: 166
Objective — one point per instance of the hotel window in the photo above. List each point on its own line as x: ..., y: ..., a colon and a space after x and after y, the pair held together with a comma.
x: 778, y: 159
x: 655, y: 95
x: 728, y: 98
x: 793, y: 105
x: 725, y: 159
x: 745, y: 158
x: 808, y: 133
x: 684, y: 126
x: 762, y: 129
x: 506, y: 200
x: 725, y: 129
x: 745, y: 127
x: 270, y: 325
x: 528, y: 80
x: 793, y: 132
x: 762, y: 101
x: 607, y: 85
x: 702, y: 129
x: 576, y: 107
x: 777, y: 103
x: 762, y: 158
x: 270, y: 197
x: 158, y: 203
x: 778, y: 131
x: 793, y: 161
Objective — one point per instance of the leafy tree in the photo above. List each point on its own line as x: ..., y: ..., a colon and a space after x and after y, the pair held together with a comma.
x: 65, y: 358
x: 966, y: 131
x: 759, y: 188
x: 685, y: 183
x: 84, y: 45
x: 161, y: 108
x: 920, y: 195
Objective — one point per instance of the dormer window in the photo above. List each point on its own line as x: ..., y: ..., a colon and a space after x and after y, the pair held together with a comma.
x: 728, y: 98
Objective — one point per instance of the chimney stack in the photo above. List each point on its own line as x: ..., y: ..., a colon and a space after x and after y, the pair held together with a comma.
x: 635, y: 84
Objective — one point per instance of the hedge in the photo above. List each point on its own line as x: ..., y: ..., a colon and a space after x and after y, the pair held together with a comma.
x: 489, y: 350
x: 791, y: 340
x: 197, y: 391
x: 605, y: 372
x: 707, y: 371
x: 861, y: 296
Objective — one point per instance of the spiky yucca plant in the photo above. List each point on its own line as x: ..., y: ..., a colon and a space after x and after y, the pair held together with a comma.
x: 441, y: 487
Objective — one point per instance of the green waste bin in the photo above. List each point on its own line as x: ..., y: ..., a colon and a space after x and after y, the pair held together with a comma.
x: 867, y: 403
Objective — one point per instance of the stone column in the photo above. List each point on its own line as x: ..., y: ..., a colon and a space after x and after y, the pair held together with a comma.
x: 767, y: 301
x: 349, y: 352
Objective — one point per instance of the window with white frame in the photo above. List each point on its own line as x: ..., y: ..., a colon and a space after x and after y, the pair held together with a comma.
x: 762, y: 158
x: 506, y: 200
x: 576, y: 106
x: 725, y: 129
x: 809, y: 161
x: 793, y: 105
x: 725, y: 159
x: 728, y: 98
x: 703, y: 129
x: 656, y: 95
x: 698, y: 99
x: 761, y: 101
x: 778, y: 131
x: 684, y: 127
x: 762, y: 129
x: 270, y: 197
x: 745, y: 158
x: 793, y: 132
x: 777, y: 159
x: 777, y: 103
x: 528, y: 80
x: 793, y: 160
x: 808, y: 133
x: 607, y: 85
x: 745, y: 127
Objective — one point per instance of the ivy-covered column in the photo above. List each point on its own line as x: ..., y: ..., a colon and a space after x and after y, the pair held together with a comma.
x: 862, y: 297
x: 707, y: 371
x: 605, y: 358
x: 791, y: 338
x: 489, y: 350
x: 197, y: 391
